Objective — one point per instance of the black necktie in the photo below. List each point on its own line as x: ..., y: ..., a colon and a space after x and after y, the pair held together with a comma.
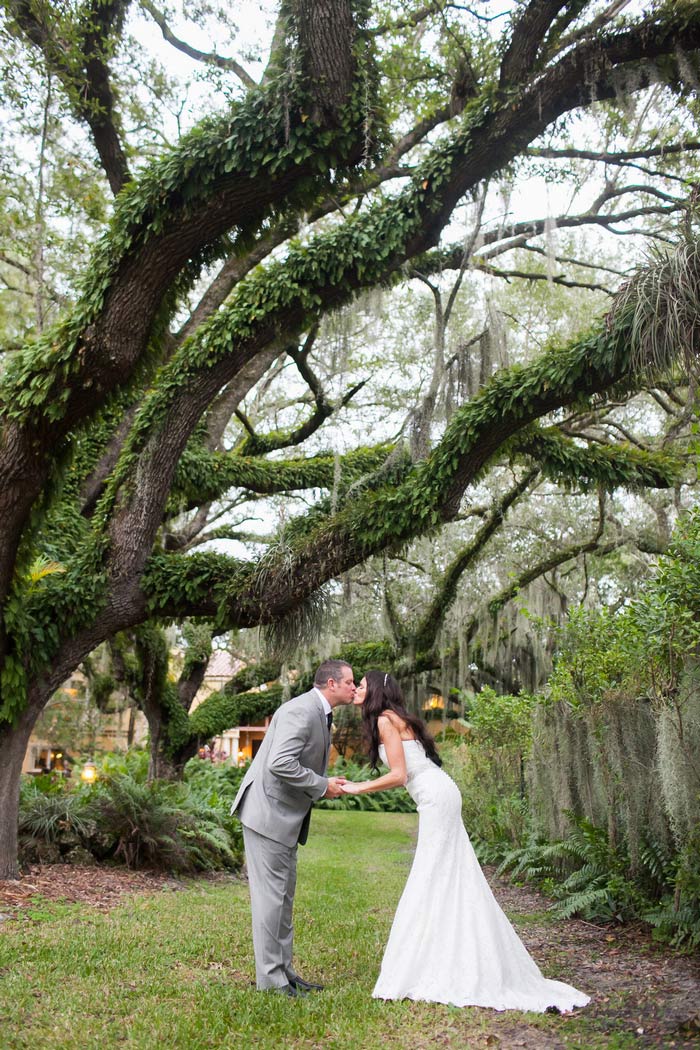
x: 329, y: 719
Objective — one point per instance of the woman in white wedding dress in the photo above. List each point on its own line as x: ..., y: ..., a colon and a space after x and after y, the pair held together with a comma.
x: 449, y: 942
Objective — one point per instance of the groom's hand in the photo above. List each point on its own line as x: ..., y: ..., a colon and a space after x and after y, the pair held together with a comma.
x: 335, y: 787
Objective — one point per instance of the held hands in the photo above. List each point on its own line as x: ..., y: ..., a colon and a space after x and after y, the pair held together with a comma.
x: 338, y: 786
x: 335, y: 787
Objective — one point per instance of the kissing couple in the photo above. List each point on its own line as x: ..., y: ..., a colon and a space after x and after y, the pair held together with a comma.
x: 449, y: 942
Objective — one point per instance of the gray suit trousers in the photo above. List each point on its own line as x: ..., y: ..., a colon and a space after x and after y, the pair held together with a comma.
x: 272, y: 877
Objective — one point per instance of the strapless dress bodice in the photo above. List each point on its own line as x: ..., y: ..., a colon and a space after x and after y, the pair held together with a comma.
x: 416, y: 759
x: 426, y: 783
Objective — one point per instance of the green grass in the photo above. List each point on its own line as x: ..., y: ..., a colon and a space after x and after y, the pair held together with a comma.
x: 175, y: 970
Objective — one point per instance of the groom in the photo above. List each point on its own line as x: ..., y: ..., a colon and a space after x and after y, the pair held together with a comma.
x: 274, y: 805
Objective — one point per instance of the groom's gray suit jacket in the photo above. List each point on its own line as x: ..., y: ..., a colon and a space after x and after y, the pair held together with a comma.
x: 287, y: 775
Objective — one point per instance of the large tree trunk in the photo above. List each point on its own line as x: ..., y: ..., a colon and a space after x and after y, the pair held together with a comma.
x: 160, y: 767
x: 181, y: 757
x: 13, y: 746
x: 164, y: 764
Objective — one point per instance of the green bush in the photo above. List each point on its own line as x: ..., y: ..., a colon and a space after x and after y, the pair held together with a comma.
x: 591, y: 879
x: 488, y: 767
x: 164, y: 825
x: 54, y: 821
x: 675, y: 917
x: 133, y: 763
x: 184, y: 826
x: 215, y: 784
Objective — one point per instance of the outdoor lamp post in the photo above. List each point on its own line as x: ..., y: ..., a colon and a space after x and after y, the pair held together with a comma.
x: 89, y: 773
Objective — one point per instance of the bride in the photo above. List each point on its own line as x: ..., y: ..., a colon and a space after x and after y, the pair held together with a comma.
x: 449, y: 942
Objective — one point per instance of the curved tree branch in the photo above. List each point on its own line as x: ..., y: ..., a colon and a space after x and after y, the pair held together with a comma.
x: 86, y: 82
x: 405, y: 227
x: 527, y: 37
x: 210, y: 58
x: 205, y: 476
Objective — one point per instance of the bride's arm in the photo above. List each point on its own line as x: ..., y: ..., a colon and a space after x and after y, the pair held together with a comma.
x: 396, y: 760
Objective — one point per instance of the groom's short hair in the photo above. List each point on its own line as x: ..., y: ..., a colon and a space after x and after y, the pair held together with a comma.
x: 329, y: 669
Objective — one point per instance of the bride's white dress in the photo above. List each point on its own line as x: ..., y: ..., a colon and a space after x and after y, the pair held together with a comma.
x: 450, y: 942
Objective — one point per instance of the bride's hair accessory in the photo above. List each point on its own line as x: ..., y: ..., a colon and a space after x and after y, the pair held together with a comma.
x: 385, y: 678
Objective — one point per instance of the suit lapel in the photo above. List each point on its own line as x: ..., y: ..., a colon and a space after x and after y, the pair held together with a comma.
x: 322, y: 715
x: 324, y: 725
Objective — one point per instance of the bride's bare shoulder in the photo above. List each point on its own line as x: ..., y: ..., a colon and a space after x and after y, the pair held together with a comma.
x: 390, y: 718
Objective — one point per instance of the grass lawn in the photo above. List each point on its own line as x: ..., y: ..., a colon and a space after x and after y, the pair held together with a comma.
x: 175, y: 969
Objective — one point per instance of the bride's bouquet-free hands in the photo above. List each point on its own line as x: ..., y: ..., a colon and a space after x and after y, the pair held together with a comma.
x: 352, y: 787
x: 335, y: 787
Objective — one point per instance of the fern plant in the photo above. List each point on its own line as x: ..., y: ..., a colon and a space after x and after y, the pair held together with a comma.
x: 676, y: 917
x: 164, y: 825
x: 536, y: 862
x: 583, y: 872
x: 677, y: 926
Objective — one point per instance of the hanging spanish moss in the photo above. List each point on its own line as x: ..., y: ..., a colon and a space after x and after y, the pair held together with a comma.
x: 623, y: 764
x: 512, y: 654
x: 300, y: 628
x: 678, y: 756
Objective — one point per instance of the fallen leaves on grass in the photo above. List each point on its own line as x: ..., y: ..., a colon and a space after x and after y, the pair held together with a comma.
x: 98, y: 886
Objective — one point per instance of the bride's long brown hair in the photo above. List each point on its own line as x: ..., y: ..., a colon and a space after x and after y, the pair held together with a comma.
x: 384, y: 694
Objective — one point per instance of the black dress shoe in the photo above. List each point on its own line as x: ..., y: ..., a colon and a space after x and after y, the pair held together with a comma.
x: 304, y: 986
x: 289, y: 990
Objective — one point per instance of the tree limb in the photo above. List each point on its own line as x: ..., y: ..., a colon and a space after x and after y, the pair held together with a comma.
x: 427, y: 210
x: 204, y: 476
x: 431, y: 492
x: 527, y: 37
x: 88, y: 87
x: 569, y: 463
x: 209, y: 58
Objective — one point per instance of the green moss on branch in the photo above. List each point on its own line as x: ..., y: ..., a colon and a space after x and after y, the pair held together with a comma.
x: 203, y: 476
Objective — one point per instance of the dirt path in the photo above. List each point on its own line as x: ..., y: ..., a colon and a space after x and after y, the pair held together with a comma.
x: 643, y: 994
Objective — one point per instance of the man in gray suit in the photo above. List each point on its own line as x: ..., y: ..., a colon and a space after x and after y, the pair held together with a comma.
x: 274, y: 805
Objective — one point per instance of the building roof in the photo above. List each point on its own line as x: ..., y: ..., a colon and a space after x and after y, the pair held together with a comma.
x: 222, y: 665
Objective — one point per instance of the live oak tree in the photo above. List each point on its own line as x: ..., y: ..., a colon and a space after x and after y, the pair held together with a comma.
x: 114, y: 418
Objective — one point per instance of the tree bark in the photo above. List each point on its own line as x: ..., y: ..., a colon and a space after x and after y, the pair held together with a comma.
x: 13, y: 747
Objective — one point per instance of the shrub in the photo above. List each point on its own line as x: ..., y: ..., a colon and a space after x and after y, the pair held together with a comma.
x: 54, y: 821
x: 164, y: 825
x: 216, y: 784
x: 182, y: 827
x: 133, y: 763
x: 591, y: 879
x: 488, y: 767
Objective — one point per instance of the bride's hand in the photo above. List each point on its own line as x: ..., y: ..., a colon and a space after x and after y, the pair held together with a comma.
x: 350, y: 788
